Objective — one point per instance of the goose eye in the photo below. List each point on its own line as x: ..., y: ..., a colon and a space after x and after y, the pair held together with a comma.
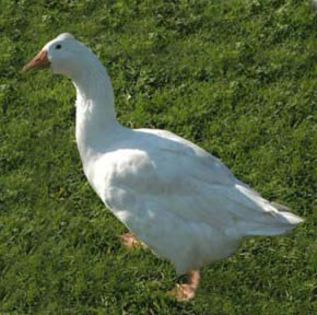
x: 58, y: 46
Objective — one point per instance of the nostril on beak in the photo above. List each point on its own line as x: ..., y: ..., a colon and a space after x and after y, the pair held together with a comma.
x: 39, y: 62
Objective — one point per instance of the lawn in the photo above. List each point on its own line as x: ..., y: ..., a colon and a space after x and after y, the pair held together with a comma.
x: 237, y: 77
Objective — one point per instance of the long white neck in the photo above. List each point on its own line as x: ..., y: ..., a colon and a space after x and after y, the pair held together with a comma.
x: 95, y: 113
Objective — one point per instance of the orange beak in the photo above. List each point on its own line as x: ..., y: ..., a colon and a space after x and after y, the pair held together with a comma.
x: 40, y: 61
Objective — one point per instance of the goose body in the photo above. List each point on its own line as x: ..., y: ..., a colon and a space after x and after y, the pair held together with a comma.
x: 174, y: 196
x: 178, y: 199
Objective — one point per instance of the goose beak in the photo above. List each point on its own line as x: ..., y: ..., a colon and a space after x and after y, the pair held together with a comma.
x: 40, y: 61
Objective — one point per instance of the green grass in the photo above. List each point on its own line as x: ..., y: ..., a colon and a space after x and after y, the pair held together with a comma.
x: 236, y: 77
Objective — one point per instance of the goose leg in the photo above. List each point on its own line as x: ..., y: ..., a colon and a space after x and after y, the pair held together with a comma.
x: 187, y: 291
x: 130, y: 241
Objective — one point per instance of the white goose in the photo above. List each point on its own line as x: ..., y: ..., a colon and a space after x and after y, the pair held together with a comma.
x: 175, y: 197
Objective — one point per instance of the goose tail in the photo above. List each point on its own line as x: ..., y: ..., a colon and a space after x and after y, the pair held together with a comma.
x: 287, y: 217
x: 270, y: 218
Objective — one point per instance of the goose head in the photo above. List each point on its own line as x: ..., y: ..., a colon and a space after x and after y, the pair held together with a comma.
x: 64, y: 55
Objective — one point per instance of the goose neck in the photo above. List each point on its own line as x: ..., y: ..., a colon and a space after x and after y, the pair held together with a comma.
x: 95, y: 112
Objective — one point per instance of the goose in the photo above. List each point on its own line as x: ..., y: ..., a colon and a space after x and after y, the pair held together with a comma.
x: 173, y: 196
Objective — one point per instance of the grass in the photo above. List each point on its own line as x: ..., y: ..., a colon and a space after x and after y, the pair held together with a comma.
x: 236, y: 77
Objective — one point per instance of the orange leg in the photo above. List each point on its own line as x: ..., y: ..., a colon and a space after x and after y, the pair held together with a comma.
x: 130, y: 241
x: 187, y: 291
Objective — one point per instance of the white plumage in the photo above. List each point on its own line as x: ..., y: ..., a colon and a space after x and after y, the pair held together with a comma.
x: 174, y: 196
